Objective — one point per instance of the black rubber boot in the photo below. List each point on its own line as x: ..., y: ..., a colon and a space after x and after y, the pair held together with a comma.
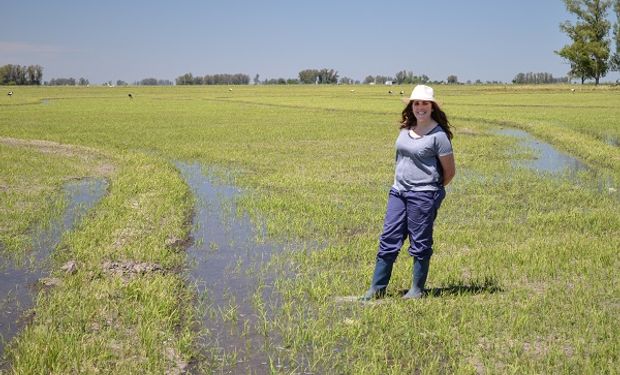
x: 420, y: 272
x: 380, y: 280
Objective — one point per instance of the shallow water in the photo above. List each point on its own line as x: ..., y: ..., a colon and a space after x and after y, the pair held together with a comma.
x: 18, y: 279
x: 548, y: 159
x: 226, y: 260
x: 612, y: 141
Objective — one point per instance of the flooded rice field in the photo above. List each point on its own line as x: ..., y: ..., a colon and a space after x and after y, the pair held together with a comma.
x: 19, y: 279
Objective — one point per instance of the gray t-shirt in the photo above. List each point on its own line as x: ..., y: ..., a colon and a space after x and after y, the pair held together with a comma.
x: 417, y: 163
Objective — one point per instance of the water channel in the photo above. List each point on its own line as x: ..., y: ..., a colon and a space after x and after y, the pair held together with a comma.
x: 226, y: 263
x: 19, y: 279
x: 547, y: 159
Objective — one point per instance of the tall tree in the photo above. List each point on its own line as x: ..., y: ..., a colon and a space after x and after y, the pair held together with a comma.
x: 309, y: 76
x: 21, y: 75
x: 328, y: 76
x: 34, y: 74
x: 615, y: 59
x: 404, y: 77
x: 185, y: 79
x: 588, y: 55
x: 369, y: 79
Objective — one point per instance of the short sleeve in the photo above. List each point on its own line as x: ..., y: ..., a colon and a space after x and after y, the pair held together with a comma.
x: 444, y: 147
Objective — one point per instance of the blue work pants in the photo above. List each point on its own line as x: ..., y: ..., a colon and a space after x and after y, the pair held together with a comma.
x: 410, y: 213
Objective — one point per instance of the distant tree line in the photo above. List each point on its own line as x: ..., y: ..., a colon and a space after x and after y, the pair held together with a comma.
x: 309, y: 76
x: 538, y: 78
x: 149, y: 82
x: 378, y: 79
x: 215, y: 79
x: 348, y: 81
x: 67, y: 82
x: 323, y: 76
x: 405, y: 77
x: 21, y: 75
x: 280, y: 81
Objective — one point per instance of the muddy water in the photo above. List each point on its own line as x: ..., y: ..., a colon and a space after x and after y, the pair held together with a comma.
x: 18, y: 280
x: 226, y: 261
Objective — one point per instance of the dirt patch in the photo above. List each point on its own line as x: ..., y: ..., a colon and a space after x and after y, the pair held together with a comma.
x: 50, y: 281
x: 130, y: 269
x: 177, y: 243
x: 124, y: 236
x: 87, y: 154
x: 70, y: 267
x: 177, y: 364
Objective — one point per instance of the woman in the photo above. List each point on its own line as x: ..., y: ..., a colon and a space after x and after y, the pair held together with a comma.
x: 424, y: 166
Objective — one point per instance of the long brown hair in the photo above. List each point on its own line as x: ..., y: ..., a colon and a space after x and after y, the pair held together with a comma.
x: 408, y: 119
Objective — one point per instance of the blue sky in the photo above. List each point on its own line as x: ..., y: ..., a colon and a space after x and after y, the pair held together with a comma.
x: 131, y: 40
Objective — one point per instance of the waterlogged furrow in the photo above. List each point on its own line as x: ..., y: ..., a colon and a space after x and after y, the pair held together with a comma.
x: 124, y: 307
x: 546, y: 158
x: 18, y: 282
x: 31, y: 173
x: 227, y: 263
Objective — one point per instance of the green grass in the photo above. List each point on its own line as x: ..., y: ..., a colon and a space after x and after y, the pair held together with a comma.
x: 31, y: 178
x: 524, y: 274
x: 100, y: 321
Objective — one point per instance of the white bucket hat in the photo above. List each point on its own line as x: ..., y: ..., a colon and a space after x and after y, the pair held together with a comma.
x: 423, y: 92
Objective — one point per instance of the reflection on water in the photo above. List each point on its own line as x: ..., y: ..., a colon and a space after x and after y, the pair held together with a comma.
x: 612, y: 140
x: 547, y: 159
x: 17, y: 280
x: 225, y: 261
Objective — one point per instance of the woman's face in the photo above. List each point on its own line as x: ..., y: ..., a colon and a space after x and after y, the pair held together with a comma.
x: 422, y: 110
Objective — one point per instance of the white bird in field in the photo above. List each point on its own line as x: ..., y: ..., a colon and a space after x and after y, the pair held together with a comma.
x: 10, y: 93
x: 572, y: 90
x: 352, y: 90
x: 390, y: 92
x: 230, y: 89
x: 402, y: 92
